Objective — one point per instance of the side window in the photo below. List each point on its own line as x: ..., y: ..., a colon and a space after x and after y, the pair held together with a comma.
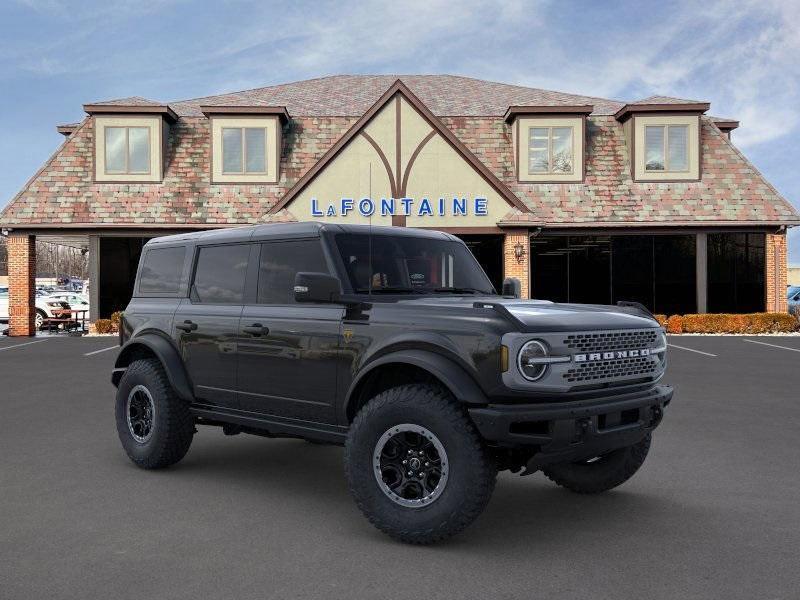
x: 161, y: 271
x: 280, y: 262
x: 220, y: 274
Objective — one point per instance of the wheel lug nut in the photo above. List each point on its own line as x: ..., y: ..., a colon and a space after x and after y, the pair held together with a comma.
x: 427, y: 464
x: 410, y: 473
x: 405, y: 461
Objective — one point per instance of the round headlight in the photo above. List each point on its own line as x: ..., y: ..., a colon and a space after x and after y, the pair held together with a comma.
x: 529, y: 360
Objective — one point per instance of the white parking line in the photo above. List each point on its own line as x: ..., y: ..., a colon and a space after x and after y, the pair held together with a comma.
x: 101, y: 350
x: 692, y: 350
x: 771, y: 345
x: 20, y: 345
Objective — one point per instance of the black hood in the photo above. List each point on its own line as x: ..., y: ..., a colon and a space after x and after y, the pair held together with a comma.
x: 541, y: 315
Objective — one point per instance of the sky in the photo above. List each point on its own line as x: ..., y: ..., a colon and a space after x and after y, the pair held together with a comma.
x: 741, y: 56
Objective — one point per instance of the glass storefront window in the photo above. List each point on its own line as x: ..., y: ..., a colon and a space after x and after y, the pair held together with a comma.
x: 736, y: 272
x: 656, y: 270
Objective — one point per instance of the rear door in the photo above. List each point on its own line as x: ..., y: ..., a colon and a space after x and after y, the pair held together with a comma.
x: 288, y: 352
x: 207, y: 323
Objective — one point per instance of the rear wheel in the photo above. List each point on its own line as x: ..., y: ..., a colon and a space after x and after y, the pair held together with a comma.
x: 600, y: 473
x: 416, y: 466
x: 153, y: 424
x: 39, y: 318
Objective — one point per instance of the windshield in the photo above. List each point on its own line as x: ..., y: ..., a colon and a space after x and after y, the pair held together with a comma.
x: 412, y: 265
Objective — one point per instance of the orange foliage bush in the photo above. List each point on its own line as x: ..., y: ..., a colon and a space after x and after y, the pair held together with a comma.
x: 674, y: 324
x: 103, y: 326
x: 752, y: 323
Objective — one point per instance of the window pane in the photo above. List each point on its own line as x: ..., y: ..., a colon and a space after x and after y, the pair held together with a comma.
x: 537, y: 161
x: 736, y: 272
x: 538, y: 150
x: 589, y: 269
x: 255, y: 140
x: 219, y: 278
x: 538, y: 138
x: 115, y: 149
x: 675, y: 274
x: 138, y: 149
x: 678, y: 140
x: 562, y: 149
x: 654, y: 148
x: 161, y: 271
x: 549, y: 268
x: 280, y: 262
x: 632, y: 269
x: 408, y: 263
x: 231, y: 150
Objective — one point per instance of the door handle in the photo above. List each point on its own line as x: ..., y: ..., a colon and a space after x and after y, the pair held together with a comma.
x: 256, y: 329
x: 186, y: 326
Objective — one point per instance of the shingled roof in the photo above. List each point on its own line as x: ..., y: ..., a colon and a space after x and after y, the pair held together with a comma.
x: 352, y: 95
x: 731, y: 191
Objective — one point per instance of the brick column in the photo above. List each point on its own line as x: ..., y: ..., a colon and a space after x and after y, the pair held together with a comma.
x: 775, y: 273
x: 511, y: 266
x: 21, y: 284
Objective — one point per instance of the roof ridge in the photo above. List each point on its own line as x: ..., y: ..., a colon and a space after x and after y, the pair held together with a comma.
x: 260, y: 88
x: 395, y: 76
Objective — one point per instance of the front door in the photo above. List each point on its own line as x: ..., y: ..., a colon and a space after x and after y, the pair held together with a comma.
x: 288, y: 352
x: 207, y: 323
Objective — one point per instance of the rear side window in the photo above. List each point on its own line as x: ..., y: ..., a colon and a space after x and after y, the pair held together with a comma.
x: 161, y: 271
x: 280, y: 262
x: 220, y: 274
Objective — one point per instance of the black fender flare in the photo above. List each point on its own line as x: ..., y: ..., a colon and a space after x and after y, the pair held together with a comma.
x: 451, y: 374
x: 166, y: 353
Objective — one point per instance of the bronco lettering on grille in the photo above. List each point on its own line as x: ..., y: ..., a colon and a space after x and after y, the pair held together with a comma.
x: 594, y: 356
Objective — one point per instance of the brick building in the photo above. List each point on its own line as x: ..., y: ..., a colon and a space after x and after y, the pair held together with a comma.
x: 583, y: 199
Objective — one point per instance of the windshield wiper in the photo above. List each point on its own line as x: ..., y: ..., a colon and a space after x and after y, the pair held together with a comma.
x: 462, y: 290
x: 388, y: 290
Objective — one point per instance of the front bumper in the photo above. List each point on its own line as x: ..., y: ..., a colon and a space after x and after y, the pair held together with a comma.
x: 568, y: 431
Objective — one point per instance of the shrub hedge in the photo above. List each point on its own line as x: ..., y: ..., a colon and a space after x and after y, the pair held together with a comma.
x: 726, y: 323
x: 103, y: 326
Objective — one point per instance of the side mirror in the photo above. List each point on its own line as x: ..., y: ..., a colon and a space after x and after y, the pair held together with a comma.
x: 316, y: 287
x: 511, y: 287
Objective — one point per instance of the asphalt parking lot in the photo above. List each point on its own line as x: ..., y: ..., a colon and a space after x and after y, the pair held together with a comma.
x: 714, y: 512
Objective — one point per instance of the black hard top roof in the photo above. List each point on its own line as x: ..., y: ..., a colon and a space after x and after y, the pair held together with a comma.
x: 299, y: 229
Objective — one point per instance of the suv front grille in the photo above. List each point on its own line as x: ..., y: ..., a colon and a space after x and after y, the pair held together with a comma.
x: 614, y: 340
x: 616, y: 368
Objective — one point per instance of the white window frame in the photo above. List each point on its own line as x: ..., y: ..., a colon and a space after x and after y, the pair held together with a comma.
x: 521, y: 138
x: 158, y: 132
x: 272, y: 127
x: 550, y: 170
x: 127, y: 129
x: 243, y: 129
x: 635, y: 134
x: 665, y: 148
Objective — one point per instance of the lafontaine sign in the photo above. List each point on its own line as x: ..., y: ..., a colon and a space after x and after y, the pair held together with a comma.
x: 423, y: 207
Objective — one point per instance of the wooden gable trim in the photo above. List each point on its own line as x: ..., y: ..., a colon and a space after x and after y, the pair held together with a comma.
x: 398, y: 87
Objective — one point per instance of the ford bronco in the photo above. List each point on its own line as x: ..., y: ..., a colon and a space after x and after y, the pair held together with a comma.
x: 392, y: 342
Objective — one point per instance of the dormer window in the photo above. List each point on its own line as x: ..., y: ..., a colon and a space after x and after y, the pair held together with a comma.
x: 127, y: 150
x: 245, y: 143
x: 666, y: 148
x: 550, y: 150
x: 548, y: 142
x: 129, y: 140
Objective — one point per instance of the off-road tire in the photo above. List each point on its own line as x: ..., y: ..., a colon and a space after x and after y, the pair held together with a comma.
x: 173, y: 425
x: 472, y: 471
x: 609, y: 471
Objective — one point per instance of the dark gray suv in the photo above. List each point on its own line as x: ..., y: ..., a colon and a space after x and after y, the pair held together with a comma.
x: 393, y: 343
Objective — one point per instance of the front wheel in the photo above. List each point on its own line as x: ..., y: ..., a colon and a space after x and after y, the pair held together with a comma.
x: 416, y: 466
x: 600, y: 473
